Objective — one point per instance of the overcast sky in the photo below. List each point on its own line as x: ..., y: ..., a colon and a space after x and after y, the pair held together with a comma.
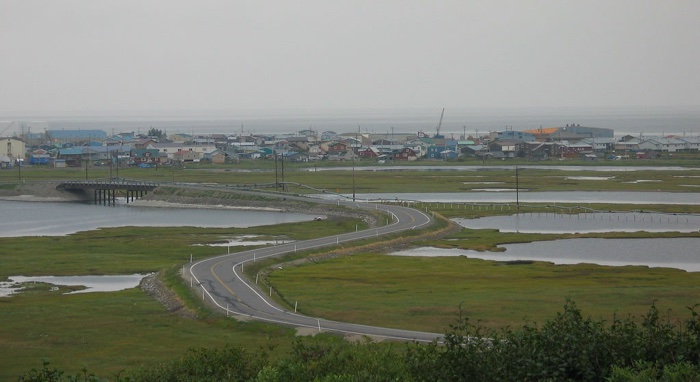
x: 87, y: 56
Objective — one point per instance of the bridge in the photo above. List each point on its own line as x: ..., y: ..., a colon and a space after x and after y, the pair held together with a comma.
x: 105, y: 191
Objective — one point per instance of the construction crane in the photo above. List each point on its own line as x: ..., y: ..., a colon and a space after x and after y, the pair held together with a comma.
x: 437, y: 134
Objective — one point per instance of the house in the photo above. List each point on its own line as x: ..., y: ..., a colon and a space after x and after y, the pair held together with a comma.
x: 541, y: 150
x: 449, y: 154
x: 370, y: 152
x: 72, y: 156
x: 329, y: 136
x: 39, y: 157
x: 142, y: 143
x: 145, y: 156
x: 627, y: 145
x: 666, y: 144
x: 477, y: 151
x: 405, y: 154
x: 293, y: 156
x: 299, y: 143
x: 215, y: 157
x: 580, y: 147
x: 506, y: 148
x: 336, y: 148
x: 600, y: 144
x: 187, y: 156
x: 692, y: 143
x: 169, y: 149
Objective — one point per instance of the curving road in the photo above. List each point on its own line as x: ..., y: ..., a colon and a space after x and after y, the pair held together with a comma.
x: 222, y: 282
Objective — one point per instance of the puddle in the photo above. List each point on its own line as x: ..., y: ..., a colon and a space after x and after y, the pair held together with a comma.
x: 589, y: 177
x: 586, y: 222
x: 245, y: 240
x: 643, y: 181
x: 110, y: 283
x: 679, y: 253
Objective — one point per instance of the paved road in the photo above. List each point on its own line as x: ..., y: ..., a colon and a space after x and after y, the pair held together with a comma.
x: 221, y: 278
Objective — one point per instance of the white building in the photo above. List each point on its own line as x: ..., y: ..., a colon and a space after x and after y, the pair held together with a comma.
x: 12, y: 147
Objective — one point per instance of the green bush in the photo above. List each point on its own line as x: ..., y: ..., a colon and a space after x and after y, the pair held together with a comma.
x: 569, y: 347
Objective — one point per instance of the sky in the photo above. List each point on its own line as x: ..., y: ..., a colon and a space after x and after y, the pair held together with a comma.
x: 104, y: 56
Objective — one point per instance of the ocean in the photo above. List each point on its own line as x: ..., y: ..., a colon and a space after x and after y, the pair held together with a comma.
x: 682, y: 121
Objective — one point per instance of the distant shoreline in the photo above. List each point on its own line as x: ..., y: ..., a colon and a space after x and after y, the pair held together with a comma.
x: 649, y: 121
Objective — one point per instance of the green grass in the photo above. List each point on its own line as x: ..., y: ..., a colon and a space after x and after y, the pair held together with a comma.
x: 126, y: 250
x: 426, y: 293
x: 491, y: 239
x: 620, y: 177
x: 108, y: 332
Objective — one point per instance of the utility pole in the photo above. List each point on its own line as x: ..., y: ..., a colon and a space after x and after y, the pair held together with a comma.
x: 353, y: 177
x: 517, y: 189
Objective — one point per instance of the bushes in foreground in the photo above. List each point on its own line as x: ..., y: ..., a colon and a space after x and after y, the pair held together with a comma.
x: 567, y: 347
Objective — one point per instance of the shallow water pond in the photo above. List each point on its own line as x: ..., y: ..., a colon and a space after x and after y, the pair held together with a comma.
x: 680, y: 253
x: 586, y: 222
x: 110, y: 283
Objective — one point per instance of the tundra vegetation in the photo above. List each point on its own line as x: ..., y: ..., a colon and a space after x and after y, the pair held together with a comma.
x: 502, y: 320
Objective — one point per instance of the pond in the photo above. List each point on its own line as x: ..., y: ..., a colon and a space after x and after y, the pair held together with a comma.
x: 586, y: 222
x: 501, y: 195
x: 109, y: 283
x: 680, y: 253
x: 55, y: 219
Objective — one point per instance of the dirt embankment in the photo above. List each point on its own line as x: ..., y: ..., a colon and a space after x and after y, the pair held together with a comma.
x: 169, y: 197
x: 38, y: 192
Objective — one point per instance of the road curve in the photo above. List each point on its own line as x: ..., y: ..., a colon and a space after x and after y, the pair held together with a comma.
x: 221, y: 279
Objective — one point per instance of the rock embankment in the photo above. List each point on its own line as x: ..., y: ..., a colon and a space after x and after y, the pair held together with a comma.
x: 154, y: 287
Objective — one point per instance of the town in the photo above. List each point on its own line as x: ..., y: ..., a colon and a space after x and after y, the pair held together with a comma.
x: 75, y: 148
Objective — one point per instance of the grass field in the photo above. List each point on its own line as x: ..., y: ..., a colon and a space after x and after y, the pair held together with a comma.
x: 426, y: 293
x: 108, y: 332
x: 627, y: 178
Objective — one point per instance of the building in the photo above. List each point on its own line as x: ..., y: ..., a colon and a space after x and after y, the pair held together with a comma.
x: 405, y: 154
x: 571, y: 133
x: 12, y: 148
x: 170, y: 149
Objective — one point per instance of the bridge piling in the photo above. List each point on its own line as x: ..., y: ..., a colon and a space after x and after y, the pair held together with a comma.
x: 105, y: 193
